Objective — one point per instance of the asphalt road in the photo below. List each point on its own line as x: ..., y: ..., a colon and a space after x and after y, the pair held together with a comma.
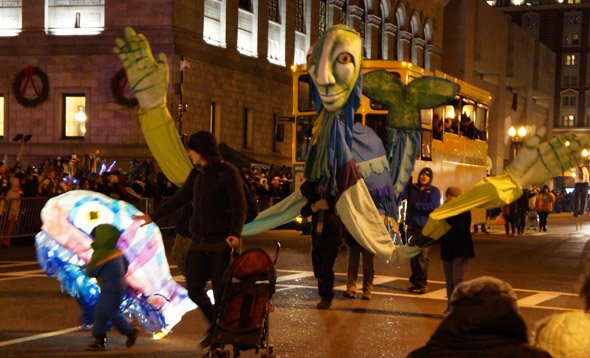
x: 37, y: 320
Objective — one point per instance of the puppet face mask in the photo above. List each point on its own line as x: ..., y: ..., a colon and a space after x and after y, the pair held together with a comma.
x: 334, y: 63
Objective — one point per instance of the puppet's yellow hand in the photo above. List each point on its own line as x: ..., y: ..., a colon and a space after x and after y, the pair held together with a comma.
x: 148, y: 78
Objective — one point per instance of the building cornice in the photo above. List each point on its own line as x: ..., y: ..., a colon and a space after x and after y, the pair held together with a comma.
x: 373, y: 20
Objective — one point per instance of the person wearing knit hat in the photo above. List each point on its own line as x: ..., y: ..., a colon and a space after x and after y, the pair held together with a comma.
x: 456, y: 246
x: 215, y: 192
x: 484, y: 321
x: 422, y: 198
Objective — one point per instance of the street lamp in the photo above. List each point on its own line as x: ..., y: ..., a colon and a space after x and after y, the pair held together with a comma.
x: 516, y: 136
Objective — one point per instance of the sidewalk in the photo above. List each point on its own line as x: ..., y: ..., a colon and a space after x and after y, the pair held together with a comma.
x: 557, y: 223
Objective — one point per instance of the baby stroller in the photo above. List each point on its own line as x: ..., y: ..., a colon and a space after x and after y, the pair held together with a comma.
x: 532, y: 221
x: 243, y: 313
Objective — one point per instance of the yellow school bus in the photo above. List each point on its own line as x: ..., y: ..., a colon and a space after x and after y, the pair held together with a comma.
x: 457, y: 155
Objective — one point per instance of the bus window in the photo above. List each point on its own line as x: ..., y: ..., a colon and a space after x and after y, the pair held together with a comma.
x: 306, y: 103
x: 481, y: 119
x: 426, y: 145
x: 303, y: 137
x: 378, y: 123
x: 438, y: 123
x: 451, y: 117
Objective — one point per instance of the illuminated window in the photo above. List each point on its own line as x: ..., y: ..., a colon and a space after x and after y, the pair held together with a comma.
x: 491, y: 2
x: 568, y: 120
x: 214, y: 22
x: 517, y: 2
x: 1, y: 115
x: 74, y: 17
x: 573, y: 1
x: 247, y: 27
x: 248, y: 128
x: 301, y: 31
x: 276, y: 32
x: 74, y: 117
x: 11, y: 17
x: 570, y: 60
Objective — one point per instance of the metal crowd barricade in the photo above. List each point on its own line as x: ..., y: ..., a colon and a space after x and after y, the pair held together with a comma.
x: 29, y: 218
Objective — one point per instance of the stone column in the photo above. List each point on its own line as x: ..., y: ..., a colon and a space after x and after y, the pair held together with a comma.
x: 372, y: 35
x: 389, y: 47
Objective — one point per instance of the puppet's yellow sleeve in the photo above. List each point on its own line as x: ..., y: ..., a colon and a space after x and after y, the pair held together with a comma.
x: 492, y: 192
x: 162, y: 138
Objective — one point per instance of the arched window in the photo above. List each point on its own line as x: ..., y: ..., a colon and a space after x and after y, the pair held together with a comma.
x: 248, y: 27
x: 302, y: 38
x: 323, y: 23
x: 400, y: 20
x: 276, y: 32
x: 569, y: 107
x: 74, y: 17
x: 11, y: 18
x: 381, y: 37
x: 414, y: 48
x: 428, y: 41
x: 214, y: 22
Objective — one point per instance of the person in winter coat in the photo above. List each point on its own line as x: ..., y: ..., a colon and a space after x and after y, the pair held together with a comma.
x: 456, y: 247
x: 484, y: 322
x: 218, y: 214
x: 109, y: 266
x: 422, y: 198
x: 567, y: 334
x: 544, y: 204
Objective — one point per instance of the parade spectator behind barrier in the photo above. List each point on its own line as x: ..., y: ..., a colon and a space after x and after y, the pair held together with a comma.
x: 544, y: 204
x: 484, y: 321
x: 4, y: 186
x: 456, y: 247
x: 48, y: 183
x: 422, y: 198
x: 12, y: 209
x: 581, y: 190
x: 31, y: 183
x: 567, y: 335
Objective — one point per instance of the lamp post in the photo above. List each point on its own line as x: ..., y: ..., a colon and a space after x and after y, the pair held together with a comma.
x: 516, y: 136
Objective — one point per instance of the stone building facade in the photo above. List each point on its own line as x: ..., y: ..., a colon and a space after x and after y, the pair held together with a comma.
x: 241, y: 90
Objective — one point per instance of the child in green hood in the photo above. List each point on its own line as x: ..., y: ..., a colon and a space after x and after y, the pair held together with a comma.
x: 109, y: 266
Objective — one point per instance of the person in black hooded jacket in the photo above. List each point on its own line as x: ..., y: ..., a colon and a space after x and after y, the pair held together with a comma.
x: 484, y: 322
x: 218, y: 216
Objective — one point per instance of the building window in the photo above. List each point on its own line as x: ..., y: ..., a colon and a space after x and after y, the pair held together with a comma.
x: 212, y: 117
x: 302, y: 37
x: 248, y: 128
x: 11, y: 17
x: 74, y: 17
x: 2, y: 110
x: 568, y: 120
x: 344, y: 13
x: 247, y: 27
x: 573, y: 1
x: 530, y: 23
x: 276, y: 33
x: 570, y: 60
x: 74, y: 115
x: 273, y: 11
x: 572, y: 29
x: 214, y: 22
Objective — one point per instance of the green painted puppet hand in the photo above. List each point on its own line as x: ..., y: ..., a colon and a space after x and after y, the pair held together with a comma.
x: 148, y: 78
x: 539, y: 161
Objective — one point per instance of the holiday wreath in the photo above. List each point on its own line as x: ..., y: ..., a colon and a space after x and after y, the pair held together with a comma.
x: 118, y: 83
x: 21, y: 83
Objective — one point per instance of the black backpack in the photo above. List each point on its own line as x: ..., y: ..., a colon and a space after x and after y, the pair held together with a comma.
x: 251, y: 203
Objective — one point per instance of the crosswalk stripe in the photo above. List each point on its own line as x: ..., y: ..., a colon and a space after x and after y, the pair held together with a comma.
x: 536, y: 299
x: 294, y: 276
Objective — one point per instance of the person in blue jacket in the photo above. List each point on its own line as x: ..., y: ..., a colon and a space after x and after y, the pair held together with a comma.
x: 422, y: 198
x: 109, y: 266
